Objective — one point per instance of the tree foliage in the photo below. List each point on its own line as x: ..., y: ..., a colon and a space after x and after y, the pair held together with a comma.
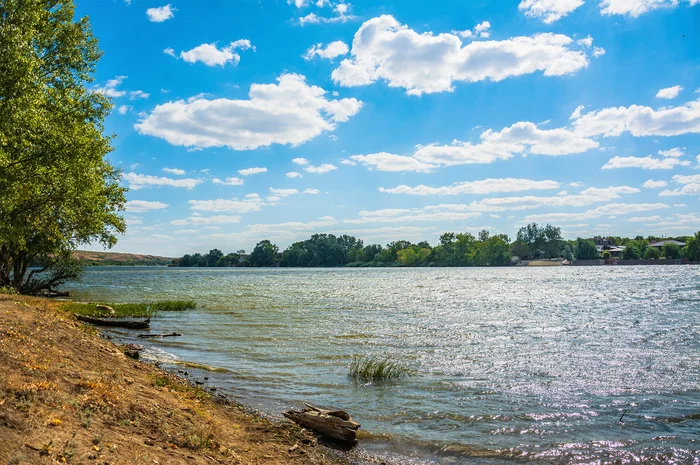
x: 652, y: 253
x: 585, y: 250
x: 57, y: 190
x: 671, y: 250
x: 691, y: 251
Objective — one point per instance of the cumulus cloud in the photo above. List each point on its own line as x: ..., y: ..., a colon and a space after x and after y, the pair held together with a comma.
x: 691, y: 186
x: 324, y: 168
x: 293, y: 174
x: 109, y: 89
x: 160, y: 14
x: 485, y: 186
x: 232, y: 181
x: 675, y: 152
x: 207, y: 220
x: 211, y: 55
x: 124, y: 109
x: 141, y: 206
x: 251, y: 171
x: 605, y: 210
x: 340, y: 15
x: 548, y: 11
x: 289, y: 112
x: 312, y: 191
x: 425, y: 63
x: 248, y: 204
x: 300, y: 161
x: 176, y: 171
x: 416, y: 215
x: 640, y: 121
x: 635, y: 8
x: 140, y: 181
x: 330, y: 51
x: 138, y: 95
x: 283, y: 192
x: 645, y: 163
x: 390, y: 162
x: 669, y: 92
x: 651, y: 184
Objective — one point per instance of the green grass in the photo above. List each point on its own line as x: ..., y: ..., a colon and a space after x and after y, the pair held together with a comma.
x: 141, y: 310
x: 372, y: 368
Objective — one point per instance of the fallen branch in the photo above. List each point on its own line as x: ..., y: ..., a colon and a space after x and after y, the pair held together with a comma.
x: 335, y: 424
x: 160, y: 335
x: 130, y: 324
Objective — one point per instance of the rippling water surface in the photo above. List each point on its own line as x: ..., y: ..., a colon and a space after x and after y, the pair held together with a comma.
x: 513, y: 365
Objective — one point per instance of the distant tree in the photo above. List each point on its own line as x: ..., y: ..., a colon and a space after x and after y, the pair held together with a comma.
x: 585, y: 249
x: 631, y: 252
x: 652, y: 253
x: 568, y: 252
x: 264, y: 254
x: 671, y: 250
x: 605, y: 255
x: 520, y: 249
x: 691, y: 251
x: 213, y: 257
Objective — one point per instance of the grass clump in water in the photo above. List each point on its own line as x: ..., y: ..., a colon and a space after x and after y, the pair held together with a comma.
x: 141, y: 310
x: 373, y: 368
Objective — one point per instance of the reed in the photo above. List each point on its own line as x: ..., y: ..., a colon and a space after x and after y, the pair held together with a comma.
x: 140, y: 310
x: 373, y: 368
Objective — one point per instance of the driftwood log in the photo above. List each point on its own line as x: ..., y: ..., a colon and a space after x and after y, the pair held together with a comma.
x: 160, y: 335
x: 335, y: 424
x: 130, y: 324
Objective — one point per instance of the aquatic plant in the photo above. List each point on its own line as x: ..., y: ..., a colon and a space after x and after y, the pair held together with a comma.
x: 373, y: 368
x: 139, y: 310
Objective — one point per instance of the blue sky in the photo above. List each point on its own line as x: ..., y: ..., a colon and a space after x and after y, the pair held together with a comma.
x: 237, y: 121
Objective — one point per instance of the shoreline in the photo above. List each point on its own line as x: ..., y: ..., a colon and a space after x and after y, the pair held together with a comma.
x: 67, y: 394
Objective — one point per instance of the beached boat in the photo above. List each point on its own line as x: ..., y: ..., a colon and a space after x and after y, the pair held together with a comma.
x: 130, y: 324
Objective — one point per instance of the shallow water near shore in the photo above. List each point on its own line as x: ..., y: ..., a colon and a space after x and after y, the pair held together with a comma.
x: 514, y: 365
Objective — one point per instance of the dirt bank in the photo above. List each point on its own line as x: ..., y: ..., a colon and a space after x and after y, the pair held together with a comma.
x: 68, y: 396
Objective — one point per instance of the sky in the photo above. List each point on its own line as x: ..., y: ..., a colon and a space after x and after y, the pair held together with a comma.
x: 237, y: 121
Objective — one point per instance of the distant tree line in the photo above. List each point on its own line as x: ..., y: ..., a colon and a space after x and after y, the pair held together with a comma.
x: 454, y: 249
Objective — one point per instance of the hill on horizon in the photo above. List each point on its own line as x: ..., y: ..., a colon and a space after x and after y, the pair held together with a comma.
x: 90, y: 258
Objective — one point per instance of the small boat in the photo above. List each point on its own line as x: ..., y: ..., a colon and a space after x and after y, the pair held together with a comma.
x: 130, y: 324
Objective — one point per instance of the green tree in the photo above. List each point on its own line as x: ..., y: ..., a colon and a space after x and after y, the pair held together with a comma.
x: 671, y: 250
x: 585, y: 250
x: 57, y: 190
x: 213, y: 257
x: 631, y: 252
x: 691, y: 251
x: 264, y: 254
x: 652, y: 253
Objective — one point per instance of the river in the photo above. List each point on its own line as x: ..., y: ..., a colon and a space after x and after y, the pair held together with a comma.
x: 512, y: 365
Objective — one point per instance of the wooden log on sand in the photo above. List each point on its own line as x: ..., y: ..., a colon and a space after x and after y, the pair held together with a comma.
x: 335, y: 424
x: 130, y: 324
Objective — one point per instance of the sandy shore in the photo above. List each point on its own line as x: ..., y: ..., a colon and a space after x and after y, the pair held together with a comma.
x: 69, y: 396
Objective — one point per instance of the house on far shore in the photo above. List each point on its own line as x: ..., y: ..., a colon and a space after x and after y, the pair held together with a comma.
x: 602, y: 244
x: 660, y: 244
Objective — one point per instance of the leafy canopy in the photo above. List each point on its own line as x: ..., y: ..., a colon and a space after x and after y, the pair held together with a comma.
x: 57, y: 190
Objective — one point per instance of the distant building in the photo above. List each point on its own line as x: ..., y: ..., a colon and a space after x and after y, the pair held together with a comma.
x: 603, y: 243
x: 660, y: 244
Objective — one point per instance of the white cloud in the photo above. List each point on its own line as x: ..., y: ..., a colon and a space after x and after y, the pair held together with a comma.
x: 691, y: 186
x: 669, y: 92
x: 345, y: 161
x: 675, y: 152
x: 110, y: 87
x: 300, y: 161
x: 140, y: 206
x: 207, y: 220
x: 485, y: 186
x: 689, y: 179
x: 635, y: 8
x: 426, y: 63
x: 417, y: 215
x: 644, y: 219
x: 248, y: 204
x: 232, y: 181
x: 519, y: 138
x: 211, y: 55
x: 169, y: 51
x: 160, y: 14
x: 140, y: 181
x: 605, y: 210
x: 389, y: 162
x: 324, y: 168
x: 138, y: 95
x: 640, y: 121
x: 289, y: 112
x: 293, y: 174
x: 124, y: 109
x: 283, y: 192
x: 482, y: 29
x: 548, y: 11
x: 341, y: 16
x: 251, y: 171
x: 651, y: 184
x: 645, y: 163
x: 312, y: 191
x: 176, y: 171
x: 330, y: 51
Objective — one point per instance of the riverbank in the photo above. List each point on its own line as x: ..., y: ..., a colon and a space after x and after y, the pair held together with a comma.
x: 67, y: 395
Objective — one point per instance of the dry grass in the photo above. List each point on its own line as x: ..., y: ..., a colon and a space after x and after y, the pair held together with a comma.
x: 372, y: 368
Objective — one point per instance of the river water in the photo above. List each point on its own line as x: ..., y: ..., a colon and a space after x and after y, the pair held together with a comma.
x: 513, y: 365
